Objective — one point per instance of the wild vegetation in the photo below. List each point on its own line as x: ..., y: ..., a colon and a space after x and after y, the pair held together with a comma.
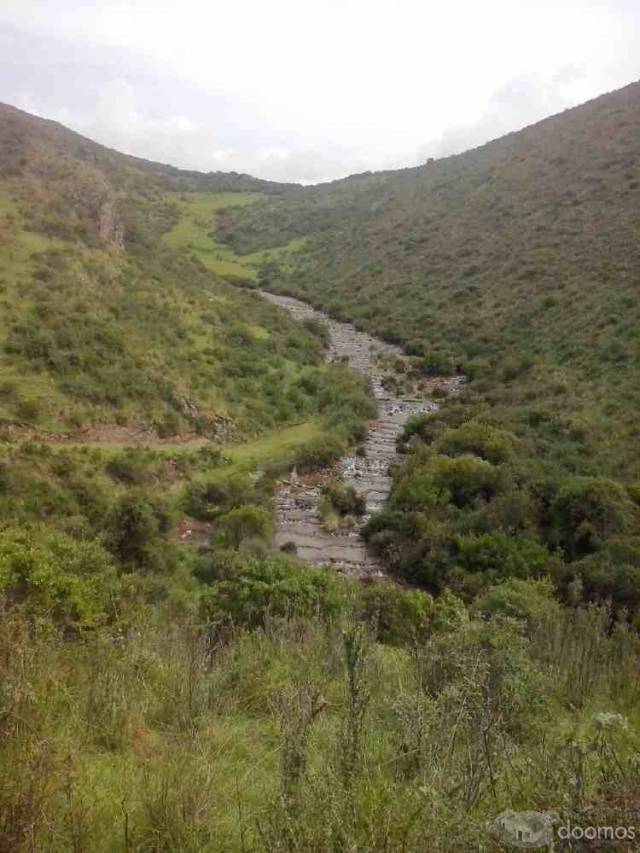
x: 109, y: 311
x: 169, y: 681
x: 341, y: 505
x: 287, y: 709
x: 514, y: 264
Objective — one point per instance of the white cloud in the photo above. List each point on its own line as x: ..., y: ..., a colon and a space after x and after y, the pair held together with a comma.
x: 311, y: 89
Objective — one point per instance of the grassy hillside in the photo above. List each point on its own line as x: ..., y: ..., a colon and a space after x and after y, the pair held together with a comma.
x: 517, y: 259
x: 141, y: 394
x: 117, y: 331
x: 518, y: 264
x: 115, y: 302
x: 195, y: 230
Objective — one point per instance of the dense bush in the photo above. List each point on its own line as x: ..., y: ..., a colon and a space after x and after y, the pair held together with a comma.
x: 241, y: 525
x: 320, y: 453
x: 460, y: 481
x: 340, y: 505
x: 479, y: 439
x: 74, y: 583
x: 344, y: 499
x: 500, y: 556
x: 612, y: 574
x: 209, y: 498
x: 137, y: 526
x: 530, y: 602
x: 434, y: 363
x: 588, y: 510
x: 250, y: 592
x: 133, y: 467
x: 402, y: 616
x: 339, y: 740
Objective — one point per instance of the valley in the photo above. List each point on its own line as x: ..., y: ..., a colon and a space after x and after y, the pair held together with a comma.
x: 228, y: 406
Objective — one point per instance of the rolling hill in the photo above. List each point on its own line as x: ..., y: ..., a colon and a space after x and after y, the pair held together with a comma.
x: 517, y: 259
x: 108, y: 319
x: 517, y: 264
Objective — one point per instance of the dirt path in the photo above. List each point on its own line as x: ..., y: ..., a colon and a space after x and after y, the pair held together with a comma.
x: 106, y: 435
x: 297, y: 518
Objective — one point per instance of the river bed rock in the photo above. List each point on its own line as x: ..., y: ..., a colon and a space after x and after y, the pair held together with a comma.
x: 296, y: 501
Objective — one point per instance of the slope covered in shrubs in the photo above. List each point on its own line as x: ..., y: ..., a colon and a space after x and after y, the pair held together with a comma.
x: 103, y: 320
x: 517, y: 265
x: 292, y: 710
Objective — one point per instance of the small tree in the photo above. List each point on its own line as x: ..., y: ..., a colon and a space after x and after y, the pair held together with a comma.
x: 241, y: 524
x: 134, y: 526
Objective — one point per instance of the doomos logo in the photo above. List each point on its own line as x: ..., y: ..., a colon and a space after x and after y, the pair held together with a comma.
x: 525, y: 829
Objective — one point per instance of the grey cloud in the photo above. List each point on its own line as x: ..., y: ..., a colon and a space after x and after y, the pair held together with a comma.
x: 528, y: 99
x: 519, y: 103
x: 126, y: 102
x: 121, y: 102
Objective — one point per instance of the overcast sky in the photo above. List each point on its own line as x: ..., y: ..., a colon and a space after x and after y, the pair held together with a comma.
x: 309, y: 90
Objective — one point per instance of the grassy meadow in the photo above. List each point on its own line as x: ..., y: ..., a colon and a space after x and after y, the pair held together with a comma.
x: 195, y: 231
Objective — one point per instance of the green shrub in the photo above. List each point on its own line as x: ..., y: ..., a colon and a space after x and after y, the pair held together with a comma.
x: 250, y: 592
x: 437, y: 363
x: 530, y: 601
x: 244, y: 523
x: 73, y: 582
x: 588, y: 510
x: 207, y: 499
x: 131, y: 467
x: 430, y: 425
x: 28, y: 410
x: 502, y: 556
x: 479, y: 439
x: 611, y: 574
x: 460, y: 481
x: 8, y: 390
x: 318, y: 330
x: 136, y: 527
x: 318, y: 454
x: 397, y: 615
x: 169, y: 425
x: 344, y: 499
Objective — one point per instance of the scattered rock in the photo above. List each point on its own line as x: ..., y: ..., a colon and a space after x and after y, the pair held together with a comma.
x: 297, y: 518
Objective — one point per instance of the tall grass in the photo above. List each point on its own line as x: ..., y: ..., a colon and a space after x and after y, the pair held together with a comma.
x: 309, y: 735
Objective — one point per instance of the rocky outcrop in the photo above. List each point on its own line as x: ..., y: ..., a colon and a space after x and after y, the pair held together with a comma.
x: 110, y: 229
x: 88, y: 192
x: 218, y: 427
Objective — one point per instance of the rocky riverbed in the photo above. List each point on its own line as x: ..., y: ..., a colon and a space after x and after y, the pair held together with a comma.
x: 297, y: 516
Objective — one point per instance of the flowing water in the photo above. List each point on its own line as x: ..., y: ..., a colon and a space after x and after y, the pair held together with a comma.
x: 297, y: 517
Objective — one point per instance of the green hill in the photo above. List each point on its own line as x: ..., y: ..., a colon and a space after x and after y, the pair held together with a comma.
x: 133, y: 374
x: 517, y: 264
x: 109, y: 316
x: 518, y: 257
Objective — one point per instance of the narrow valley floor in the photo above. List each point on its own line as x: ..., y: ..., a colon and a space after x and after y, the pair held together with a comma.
x: 297, y: 500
